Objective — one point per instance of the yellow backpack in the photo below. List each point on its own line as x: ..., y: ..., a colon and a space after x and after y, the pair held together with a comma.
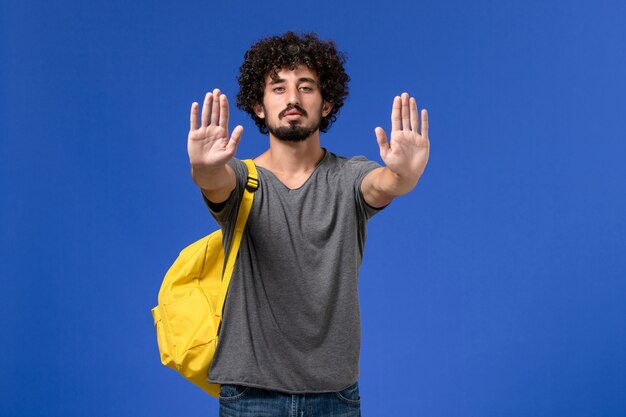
x: 191, y: 299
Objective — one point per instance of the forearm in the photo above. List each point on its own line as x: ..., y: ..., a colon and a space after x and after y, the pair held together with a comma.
x: 216, y: 183
x: 382, y: 185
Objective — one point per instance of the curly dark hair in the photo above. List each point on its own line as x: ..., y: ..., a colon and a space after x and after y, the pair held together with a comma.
x: 270, y: 55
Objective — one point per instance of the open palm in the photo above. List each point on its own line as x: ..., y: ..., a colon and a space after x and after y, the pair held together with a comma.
x: 407, y: 152
x: 209, y: 144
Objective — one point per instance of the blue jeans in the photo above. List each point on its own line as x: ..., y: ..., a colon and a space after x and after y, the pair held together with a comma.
x: 242, y: 401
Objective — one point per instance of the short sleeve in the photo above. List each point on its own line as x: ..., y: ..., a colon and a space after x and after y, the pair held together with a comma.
x: 226, y: 213
x: 359, y: 167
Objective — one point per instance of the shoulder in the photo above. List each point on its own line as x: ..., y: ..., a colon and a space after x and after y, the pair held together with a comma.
x: 241, y: 171
x: 345, y: 161
x: 354, y: 166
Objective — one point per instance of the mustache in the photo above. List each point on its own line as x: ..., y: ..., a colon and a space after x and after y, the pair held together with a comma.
x: 292, y: 107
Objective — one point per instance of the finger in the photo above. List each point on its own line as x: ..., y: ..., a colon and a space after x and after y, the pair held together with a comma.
x: 406, y: 124
x: 223, y: 111
x: 424, y: 130
x: 193, y: 117
x: 215, y: 109
x: 396, y: 118
x: 414, y: 115
x: 206, y: 108
x: 235, y: 138
x: 381, y: 138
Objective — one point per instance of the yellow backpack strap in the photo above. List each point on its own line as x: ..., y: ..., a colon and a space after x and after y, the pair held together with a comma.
x: 242, y: 218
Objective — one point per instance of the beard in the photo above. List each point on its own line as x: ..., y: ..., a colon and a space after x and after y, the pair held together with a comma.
x: 294, y: 132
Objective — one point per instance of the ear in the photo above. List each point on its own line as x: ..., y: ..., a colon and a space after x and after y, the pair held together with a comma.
x: 259, y: 110
x: 326, y: 108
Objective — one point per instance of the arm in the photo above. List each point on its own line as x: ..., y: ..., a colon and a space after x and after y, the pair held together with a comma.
x: 210, y: 149
x: 405, y: 157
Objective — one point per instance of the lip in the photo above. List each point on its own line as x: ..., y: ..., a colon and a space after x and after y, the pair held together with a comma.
x: 292, y: 116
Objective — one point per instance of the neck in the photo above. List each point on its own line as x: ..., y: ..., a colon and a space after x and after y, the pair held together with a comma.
x: 292, y: 158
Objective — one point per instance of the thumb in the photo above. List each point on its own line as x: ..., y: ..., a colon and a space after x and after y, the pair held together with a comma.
x: 235, y: 138
x: 381, y: 138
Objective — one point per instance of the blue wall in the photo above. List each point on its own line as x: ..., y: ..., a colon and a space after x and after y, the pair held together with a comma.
x: 497, y: 288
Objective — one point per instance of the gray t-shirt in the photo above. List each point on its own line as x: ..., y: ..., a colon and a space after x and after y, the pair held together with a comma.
x: 291, y: 319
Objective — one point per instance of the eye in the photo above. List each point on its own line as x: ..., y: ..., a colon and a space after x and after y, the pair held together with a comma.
x: 278, y: 89
x: 306, y: 89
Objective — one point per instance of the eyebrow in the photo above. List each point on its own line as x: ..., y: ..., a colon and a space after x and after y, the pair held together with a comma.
x: 300, y: 80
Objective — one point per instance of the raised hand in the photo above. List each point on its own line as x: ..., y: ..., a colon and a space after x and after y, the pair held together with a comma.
x: 407, y: 153
x: 209, y: 145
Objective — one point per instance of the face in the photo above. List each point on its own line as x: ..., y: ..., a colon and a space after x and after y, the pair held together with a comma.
x: 292, y: 104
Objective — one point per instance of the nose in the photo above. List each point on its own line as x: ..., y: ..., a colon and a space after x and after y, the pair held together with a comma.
x: 293, y: 96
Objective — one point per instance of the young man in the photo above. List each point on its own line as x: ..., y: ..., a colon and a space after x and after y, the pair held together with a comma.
x: 290, y: 338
